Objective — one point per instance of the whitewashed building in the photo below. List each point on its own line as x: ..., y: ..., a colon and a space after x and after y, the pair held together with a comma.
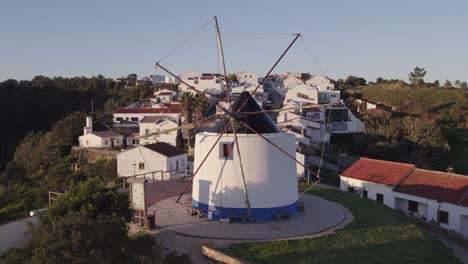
x: 146, y: 159
x: 153, y: 124
x: 323, y: 83
x: 204, y: 82
x: 171, y: 110
x: 163, y: 96
x: 100, y: 139
x: 374, y: 179
x: 218, y: 189
x: 246, y: 77
x: 436, y: 197
x: 302, y: 93
x: 290, y: 81
x: 158, y: 79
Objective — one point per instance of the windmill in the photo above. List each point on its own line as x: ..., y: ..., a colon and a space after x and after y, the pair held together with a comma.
x: 244, y: 167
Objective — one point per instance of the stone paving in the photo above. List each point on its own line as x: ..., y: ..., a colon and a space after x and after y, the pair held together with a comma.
x: 319, y: 215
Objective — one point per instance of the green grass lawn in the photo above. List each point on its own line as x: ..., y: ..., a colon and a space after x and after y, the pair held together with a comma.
x: 377, y: 235
x: 458, y: 141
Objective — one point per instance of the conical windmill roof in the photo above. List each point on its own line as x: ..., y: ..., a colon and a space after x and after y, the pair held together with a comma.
x: 260, y: 122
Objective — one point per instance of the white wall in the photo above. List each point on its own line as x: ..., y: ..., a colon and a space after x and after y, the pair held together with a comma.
x: 169, y: 137
x: 247, y: 77
x: 321, y: 82
x: 456, y: 212
x: 271, y: 177
x: 140, y: 116
x: 153, y: 161
x: 311, y: 93
x: 372, y: 189
x: 93, y: 141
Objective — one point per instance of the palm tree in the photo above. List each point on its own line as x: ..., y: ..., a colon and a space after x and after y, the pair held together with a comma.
x: 186, y: 102
x: 200, y: 105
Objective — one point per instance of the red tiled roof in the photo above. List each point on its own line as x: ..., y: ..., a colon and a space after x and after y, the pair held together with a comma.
x: 171, y: 109
x: 378, y: 171
x: 166, y: 93
x: 440, y: 186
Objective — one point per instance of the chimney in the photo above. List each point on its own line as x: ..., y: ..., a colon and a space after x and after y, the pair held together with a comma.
x: 89, y: 125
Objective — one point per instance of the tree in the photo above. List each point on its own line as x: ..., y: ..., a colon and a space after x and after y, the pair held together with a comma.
x: 355, y: 81
x: 448, y: 84
x: 464, y: 85
x: 436, y: 83
x: 457, y: 84
x: 233, y: 78
x: 417, y: 76
x: 179, y: 139
x: 186, y: 103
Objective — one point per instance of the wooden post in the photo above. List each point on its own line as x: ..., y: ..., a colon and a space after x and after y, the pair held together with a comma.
x: 139, y: 215
x: 162, y: 175
x: 152, y: 176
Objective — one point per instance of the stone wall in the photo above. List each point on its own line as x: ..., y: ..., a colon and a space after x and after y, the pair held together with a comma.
x: 91, y: 155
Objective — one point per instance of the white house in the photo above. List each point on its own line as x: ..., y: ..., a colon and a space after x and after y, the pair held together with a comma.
x: 101, y: 139
x: 205, y: 82
x: 437, y: 197
x: 290, y: 81
x: 137, y: 114
x: 246, y: 77
x: 163, y: 95
x: 342, y: 120
x: 302, y: 93
x: 153, y: 124
x: 374, y: 179
x: 146, y: 159
x: 323, y: 83
x: 157, y: 79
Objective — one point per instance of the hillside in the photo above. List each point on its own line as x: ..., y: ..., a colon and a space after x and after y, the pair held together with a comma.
x: 450, y: 106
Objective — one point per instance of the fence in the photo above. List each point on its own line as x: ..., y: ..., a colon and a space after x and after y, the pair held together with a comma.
x: 154, y: 176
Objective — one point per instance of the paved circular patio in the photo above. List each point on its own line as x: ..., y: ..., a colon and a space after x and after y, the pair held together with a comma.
x: 320, y: 215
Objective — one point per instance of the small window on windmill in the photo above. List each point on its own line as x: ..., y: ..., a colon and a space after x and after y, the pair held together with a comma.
x: 227, y: 150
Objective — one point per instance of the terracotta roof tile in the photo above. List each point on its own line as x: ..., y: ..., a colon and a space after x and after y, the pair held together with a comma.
x: 172, y: 109
x: 378, y: 171
x: 440, y: 186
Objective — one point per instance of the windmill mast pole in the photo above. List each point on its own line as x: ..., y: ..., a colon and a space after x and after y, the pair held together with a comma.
x: 221, y: 51
x: 220, y: 46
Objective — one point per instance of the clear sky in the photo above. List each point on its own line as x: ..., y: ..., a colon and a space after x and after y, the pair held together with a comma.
x: 366, y: 38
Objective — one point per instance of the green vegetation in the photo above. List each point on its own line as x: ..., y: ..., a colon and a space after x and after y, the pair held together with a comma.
x: 377, y: 235
x: 458, y: 141
x: 87, y: 225
x: 36, y: 104
x: 407, y: 139
x: 40, y: 160
x: 449, y: 106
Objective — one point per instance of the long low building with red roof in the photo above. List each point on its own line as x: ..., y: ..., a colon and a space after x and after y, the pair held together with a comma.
x: 171, y: 110
x: 434, y: 196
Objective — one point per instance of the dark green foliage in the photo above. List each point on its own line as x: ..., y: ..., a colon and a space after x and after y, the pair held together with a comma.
x: 179, y: 139
x: 37, y: 104
x: 378, y: 234
x: 417, y: 76
x: 92, y: 199
x: 233, y: 78
x: 426, y: 103
x: 408, y: 140
x: 458, y: 141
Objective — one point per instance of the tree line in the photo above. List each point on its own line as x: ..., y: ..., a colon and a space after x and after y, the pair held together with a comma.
x: 36, y: 104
